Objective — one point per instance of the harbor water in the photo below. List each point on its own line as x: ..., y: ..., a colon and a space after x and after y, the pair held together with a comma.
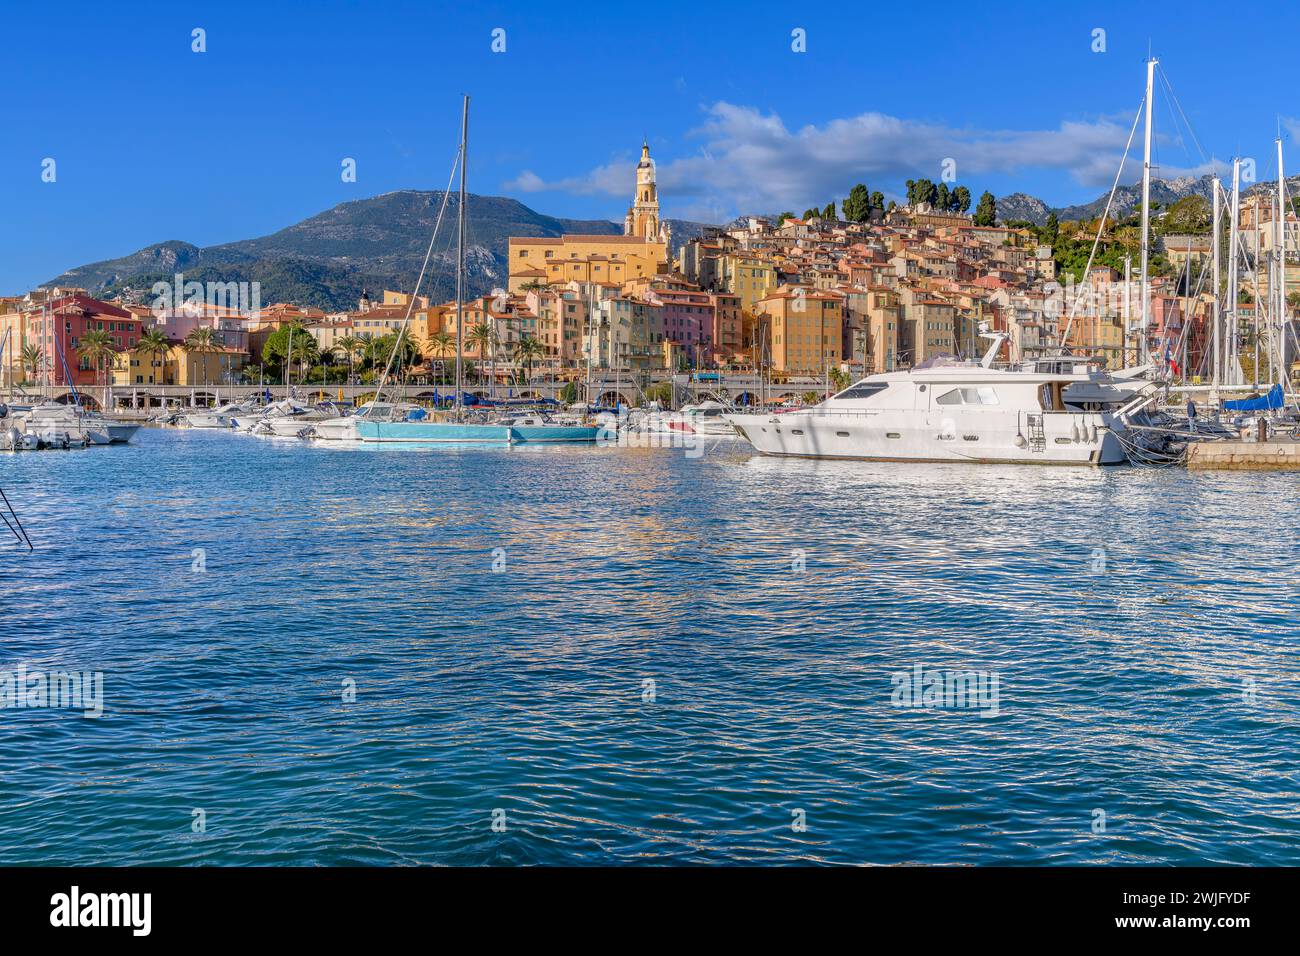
x: 555, y: 655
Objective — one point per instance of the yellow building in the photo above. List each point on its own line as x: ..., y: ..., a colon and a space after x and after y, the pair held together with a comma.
x: 1098, y: 336
x: 806, y: 328
x: 642, y: 250
x: 178, y: 366
x: 573, y: 258
x: 747, y: 276
x: 404, y: 299
x: 14, y: 337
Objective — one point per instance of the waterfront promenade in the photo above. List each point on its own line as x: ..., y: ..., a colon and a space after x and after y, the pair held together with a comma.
x: 740, y: 389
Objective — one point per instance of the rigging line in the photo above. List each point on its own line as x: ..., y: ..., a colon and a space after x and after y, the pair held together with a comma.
x: 1288, y: 327
x: 1101, y: 225
x: 1191, y: 296
x: 397, y: 345
x: 1178, y: 128
x: 1169, y: 87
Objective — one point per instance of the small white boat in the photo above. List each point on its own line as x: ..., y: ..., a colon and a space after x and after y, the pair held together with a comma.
x: 226, y: 416
x: 708, y: 418
x: 288, y: 419
x: 344, y: 427
x: 58, y: 425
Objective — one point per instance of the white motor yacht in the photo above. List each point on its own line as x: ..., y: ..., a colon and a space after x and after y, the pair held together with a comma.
x: 948, y: 411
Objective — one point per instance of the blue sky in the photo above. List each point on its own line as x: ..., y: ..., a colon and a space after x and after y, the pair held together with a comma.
x: 153, y: 141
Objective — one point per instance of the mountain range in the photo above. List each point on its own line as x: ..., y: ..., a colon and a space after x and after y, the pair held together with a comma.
x: 368, y: 245
x: 1128, y: 199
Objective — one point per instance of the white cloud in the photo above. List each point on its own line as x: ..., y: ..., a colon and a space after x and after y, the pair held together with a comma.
x: 751, y: 161
x: 612, y: 179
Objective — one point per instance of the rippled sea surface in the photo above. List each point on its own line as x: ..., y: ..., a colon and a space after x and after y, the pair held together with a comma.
x: 668, y: 660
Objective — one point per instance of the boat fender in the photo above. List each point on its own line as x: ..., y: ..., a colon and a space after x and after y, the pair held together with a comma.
x: 1094, y: 434
x: 1074, y: 432
x: 1020, y: 440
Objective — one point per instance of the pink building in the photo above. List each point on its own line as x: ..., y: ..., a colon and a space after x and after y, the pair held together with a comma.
x: 229, y: 327
x: 688, y: 316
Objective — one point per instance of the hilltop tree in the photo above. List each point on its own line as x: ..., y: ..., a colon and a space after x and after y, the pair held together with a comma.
x: 961, y: 199
x: 941, y: 197
x: 829, y: 211
x: 986, y: 213
x: 780, y: 220
x: 1191, y: 214
x: 857, y: 208
x: 1052, y: 230
x: 811, y: 214
x: 878, y: 201
x: 911, y: 192
x: 926, y: 192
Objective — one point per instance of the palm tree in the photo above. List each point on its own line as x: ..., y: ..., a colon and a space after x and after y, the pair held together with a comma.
x: 32, y: 358
x: 300, y: 346
x: 96, y: 346
x: 441, y: 344
x: 203, y: 341
x: 482, y: 337
x: 527, y: 351
x: 154, y: 343
x: 349, y: 345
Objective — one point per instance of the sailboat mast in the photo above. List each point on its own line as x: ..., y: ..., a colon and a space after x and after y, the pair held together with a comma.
x: 1231, y: 371
x: 1215, y: 364
x: 460, y: 260
x: 1279, y: 272
x: 1128, y: 311
x: 1146, y: 209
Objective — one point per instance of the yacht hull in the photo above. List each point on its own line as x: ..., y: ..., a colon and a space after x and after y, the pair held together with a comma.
x: 209, y: 421
x: 284, y: 427
x: 119, y: 433
x: 1050, y: 439
x: 335, y: 429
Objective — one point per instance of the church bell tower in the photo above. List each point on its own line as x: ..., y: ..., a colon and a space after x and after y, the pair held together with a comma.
x: 643, y: 215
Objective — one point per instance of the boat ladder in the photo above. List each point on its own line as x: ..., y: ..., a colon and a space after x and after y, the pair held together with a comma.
x: 1037, y: 440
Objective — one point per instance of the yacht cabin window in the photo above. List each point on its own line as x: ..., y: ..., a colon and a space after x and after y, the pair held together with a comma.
x: 863, y: 390
x: 983, y: 395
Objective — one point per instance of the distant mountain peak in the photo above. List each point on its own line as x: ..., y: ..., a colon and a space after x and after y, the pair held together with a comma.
x: 1127, y: 198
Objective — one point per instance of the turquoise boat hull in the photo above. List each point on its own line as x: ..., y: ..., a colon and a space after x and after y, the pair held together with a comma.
x: 532, y: 434
x: 493, y: 434
x: 432, y: 432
